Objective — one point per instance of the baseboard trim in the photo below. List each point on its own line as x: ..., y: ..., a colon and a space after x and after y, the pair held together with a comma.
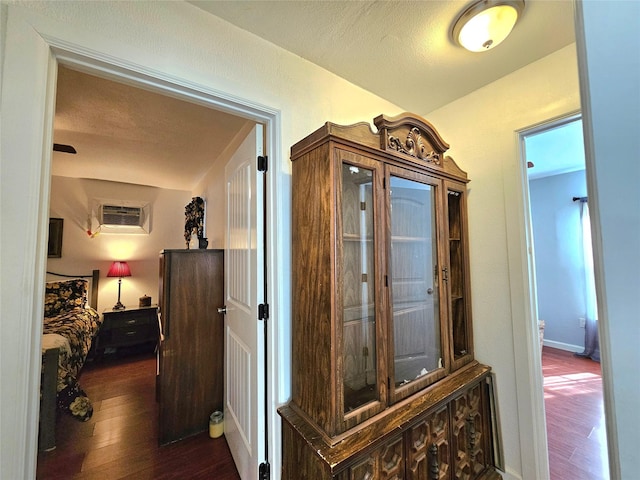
x: 563, y: 346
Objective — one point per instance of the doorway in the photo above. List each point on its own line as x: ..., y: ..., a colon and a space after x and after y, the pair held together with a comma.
x: 554, y: 156
x: 263, y: 117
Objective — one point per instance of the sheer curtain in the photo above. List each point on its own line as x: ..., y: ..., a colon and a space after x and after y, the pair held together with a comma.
x: 591, y: 340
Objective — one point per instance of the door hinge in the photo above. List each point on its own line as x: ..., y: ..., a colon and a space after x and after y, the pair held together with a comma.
x: 263, y: 472
x: 262, y: 163
x: 263, y: 311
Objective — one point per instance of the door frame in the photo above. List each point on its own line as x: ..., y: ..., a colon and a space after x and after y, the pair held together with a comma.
x: 530, y: 331
x: 46, y: 51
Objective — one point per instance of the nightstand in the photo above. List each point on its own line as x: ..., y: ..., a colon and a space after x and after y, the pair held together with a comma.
x: 128, y: 327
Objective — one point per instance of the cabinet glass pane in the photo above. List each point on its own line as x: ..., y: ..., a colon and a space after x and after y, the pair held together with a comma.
x: 456, y: 278
x: 358, y: 279
x: 414, y: 285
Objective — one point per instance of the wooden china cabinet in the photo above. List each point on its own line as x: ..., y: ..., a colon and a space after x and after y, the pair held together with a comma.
x: 384, y: 381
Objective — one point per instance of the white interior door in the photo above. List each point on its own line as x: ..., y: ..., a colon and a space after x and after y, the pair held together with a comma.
x: 244, y: 278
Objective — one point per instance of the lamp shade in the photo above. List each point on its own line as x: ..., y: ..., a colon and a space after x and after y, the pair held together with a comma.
x: 486, y: 23
x: 119, y: 269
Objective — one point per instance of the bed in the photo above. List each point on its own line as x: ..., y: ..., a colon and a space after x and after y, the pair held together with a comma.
x: 71, y: 322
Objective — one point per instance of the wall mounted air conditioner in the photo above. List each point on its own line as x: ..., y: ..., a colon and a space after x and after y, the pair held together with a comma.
x: 121, y: 217
x: 118, y: 215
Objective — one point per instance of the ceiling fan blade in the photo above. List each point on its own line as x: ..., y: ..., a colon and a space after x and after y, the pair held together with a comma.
x: 58, y: 147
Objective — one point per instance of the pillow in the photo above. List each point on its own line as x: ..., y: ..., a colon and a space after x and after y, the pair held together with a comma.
x: 64, y: 296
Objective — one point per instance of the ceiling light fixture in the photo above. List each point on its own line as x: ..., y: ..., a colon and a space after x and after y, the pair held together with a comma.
x: 486, y: 23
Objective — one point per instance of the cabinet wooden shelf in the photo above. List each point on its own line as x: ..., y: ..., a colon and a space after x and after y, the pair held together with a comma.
x: 382, y: 342
x: 398, y: 238
x: 354, y: 237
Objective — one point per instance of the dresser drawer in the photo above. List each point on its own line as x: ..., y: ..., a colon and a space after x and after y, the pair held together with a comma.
x: 131, y: 319
x: 133, y: 334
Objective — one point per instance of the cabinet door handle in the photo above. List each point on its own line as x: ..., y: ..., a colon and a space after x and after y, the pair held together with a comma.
x: 429, y: 291
x: 471, y: 437
x: 434, y: 466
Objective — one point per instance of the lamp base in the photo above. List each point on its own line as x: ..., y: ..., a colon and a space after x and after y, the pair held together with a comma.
x: 119, y: 305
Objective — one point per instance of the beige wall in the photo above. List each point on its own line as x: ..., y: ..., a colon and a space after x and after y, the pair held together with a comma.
x: 481, y: 128
x: 71, y: 199
x: 181, y: 44
x: 212, y: 189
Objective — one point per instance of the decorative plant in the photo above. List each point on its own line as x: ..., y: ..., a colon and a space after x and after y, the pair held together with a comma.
x: 194, y: 219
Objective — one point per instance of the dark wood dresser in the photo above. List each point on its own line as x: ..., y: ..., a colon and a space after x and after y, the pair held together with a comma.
x: 128, y: 327
x: 190, y: 380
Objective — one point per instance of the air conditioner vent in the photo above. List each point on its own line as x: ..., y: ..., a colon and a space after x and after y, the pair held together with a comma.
x: 120, y: 215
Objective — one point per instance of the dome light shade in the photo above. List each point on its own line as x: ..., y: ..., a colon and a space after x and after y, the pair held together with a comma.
x: 486, y: 23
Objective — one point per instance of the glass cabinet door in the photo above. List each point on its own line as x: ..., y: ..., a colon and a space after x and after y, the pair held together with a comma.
x: 457, y: 277
x: 358, y: 279
x: 415, y: 325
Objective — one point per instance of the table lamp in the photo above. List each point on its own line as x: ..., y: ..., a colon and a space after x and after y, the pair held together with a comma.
x: 119, y: 269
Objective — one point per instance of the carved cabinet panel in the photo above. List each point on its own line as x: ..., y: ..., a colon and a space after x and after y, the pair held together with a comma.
x: 443, y: 436
x: 428, y: 454
x: 386, y: 463
x: 469, y: 434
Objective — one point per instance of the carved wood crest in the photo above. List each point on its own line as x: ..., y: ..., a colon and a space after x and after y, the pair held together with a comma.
x: 411, y: 135
x: 414, y: 146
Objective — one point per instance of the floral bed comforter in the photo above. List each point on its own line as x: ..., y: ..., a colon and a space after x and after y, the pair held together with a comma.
x: 78, y: 327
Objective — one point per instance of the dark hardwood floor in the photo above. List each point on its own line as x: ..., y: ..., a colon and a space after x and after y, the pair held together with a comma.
x: 121, y: 439
x: 575, y: 416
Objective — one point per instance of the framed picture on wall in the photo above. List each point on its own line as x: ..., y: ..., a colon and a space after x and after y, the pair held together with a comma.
x: 55, y: 237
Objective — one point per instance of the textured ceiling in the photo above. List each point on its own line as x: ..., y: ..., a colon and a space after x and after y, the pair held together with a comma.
x: 399, y: 50
x: 130, y: 135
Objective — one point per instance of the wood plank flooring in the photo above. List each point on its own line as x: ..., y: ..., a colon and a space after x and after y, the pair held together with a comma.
x: 121, y: 439
x: 575, y: 416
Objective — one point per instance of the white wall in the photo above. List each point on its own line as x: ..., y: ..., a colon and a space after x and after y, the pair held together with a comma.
x: 212, y: 189
x: 481, y: 129
x: 559, y: 259
x: 71, y: 199
x: 177, y: 42
x: 609, y: 57
x: 3, y: 36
